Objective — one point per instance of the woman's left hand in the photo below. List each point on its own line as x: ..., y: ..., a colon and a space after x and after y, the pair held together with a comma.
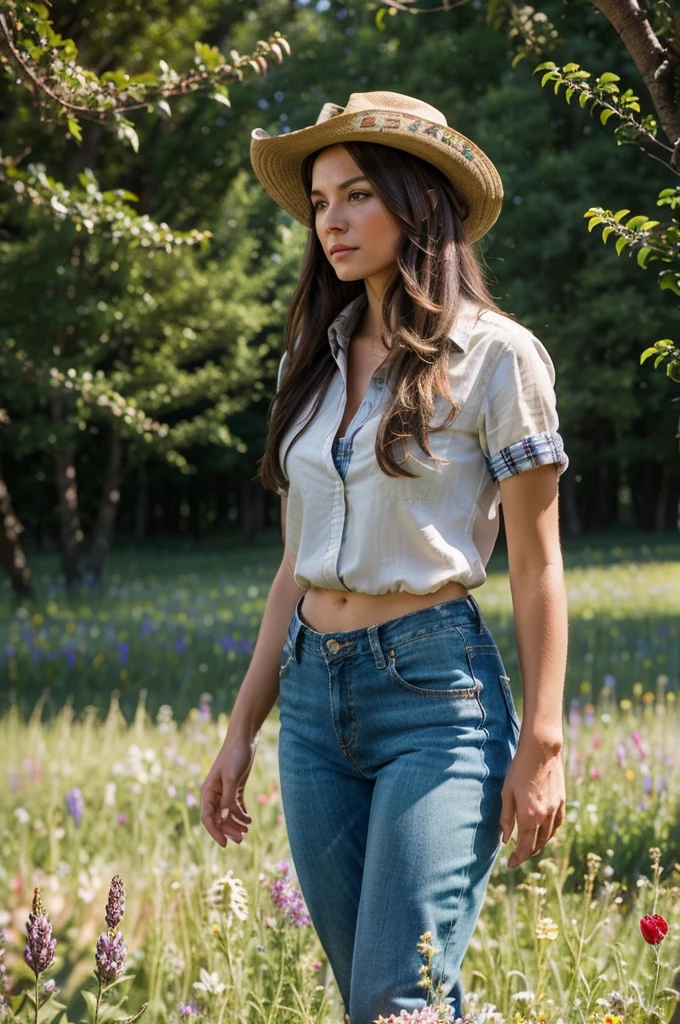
x: 534, y: 793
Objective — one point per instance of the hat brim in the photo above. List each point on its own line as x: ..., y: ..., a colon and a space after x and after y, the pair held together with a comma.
x: 277, y: 160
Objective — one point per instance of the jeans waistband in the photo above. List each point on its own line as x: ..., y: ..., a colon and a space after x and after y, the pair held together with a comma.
x: 383, y: 635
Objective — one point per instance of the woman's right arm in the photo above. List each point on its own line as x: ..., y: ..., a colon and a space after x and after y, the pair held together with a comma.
x: 223, y: 786
x: 260, y: 687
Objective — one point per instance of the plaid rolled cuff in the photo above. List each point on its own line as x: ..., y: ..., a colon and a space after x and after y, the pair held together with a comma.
x: 535, y: 450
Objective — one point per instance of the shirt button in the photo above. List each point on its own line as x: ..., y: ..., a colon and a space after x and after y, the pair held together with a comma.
x: 333, y: 646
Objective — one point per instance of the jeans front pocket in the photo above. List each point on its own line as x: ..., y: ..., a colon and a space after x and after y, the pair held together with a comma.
x: 433, y: 665
x: 509, y: 701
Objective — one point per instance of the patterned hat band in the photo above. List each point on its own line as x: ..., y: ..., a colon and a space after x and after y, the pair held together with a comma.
x: 392, y: 119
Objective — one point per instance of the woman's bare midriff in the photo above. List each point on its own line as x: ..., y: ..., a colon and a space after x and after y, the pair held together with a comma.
x: 329, y: 611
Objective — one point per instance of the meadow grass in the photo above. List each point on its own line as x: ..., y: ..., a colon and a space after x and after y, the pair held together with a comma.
x: 108, y: 785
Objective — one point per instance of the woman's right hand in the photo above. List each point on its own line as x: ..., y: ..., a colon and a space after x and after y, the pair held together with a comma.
x: 223, y: 810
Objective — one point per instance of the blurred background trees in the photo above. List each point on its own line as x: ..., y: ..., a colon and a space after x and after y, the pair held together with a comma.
x: 191, y: 338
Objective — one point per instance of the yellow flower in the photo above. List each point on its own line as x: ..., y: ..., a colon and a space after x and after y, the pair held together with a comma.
x: 625, y: 704
x: 630, y: 774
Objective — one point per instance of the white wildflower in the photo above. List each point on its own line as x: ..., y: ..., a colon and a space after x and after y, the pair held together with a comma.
x: 209, y: 984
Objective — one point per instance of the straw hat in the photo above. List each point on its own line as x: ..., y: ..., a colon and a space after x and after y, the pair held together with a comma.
x: 392, y: 119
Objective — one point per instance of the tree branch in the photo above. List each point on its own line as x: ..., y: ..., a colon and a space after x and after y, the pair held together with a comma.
x: 658, y: 64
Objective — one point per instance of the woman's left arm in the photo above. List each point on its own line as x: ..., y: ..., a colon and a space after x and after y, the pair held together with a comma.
x: 534, y: 791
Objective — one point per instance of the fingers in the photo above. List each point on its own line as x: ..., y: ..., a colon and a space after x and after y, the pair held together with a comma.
x: 532, y: 838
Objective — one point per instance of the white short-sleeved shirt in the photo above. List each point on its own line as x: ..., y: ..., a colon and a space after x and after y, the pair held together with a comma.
x: 376, y: 534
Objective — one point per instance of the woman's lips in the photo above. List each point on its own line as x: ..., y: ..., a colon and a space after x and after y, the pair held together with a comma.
x: 343, y: 252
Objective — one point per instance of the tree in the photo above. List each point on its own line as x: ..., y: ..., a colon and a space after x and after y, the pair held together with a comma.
x: 100, y: 250
x: 651, y: 33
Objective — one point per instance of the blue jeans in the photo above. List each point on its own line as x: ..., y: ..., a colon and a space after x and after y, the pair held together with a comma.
x: 394, y: 744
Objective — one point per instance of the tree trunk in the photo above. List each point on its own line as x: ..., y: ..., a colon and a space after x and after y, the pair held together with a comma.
x: 108, y: 509
x: 251, y: 510
x: 70, y: 532
x: 12, y: 557
x: 658, y: 63
x: 141, y: 505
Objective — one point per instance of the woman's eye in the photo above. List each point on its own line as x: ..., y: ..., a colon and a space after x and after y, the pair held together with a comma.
x: 317, y: 206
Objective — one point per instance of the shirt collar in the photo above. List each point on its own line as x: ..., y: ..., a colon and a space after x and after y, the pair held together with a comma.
x: 340, y: 331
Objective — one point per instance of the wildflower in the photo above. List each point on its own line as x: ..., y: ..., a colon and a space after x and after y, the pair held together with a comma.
x: 238, y: 897
x: 288, y: 899
x: 547, y: 929
x: 209, y: 984
x: 111, y: 950
x: 39, y: 951
x: 187, y: 1008
x: 316, y: 965
x: 110, y: 955
x: 428, y: 1015
x: 654, y: 928
x: 75, y: 804
x: 115, y: 906
x: 3, y: 971
x: 22, y: 815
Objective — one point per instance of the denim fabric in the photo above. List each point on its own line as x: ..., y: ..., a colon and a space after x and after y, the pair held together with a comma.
x: 342, y: 453
x: 394, y: 744
x: 443, y: 521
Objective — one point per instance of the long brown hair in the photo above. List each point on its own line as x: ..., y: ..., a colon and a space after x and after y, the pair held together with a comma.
x: 436, y: 264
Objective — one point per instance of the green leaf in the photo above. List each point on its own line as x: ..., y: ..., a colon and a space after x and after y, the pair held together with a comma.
x: 621, y: 244
x: 606, y: 232
x: 667, y: 281
x: 605, y: 115
x: 547, y: 77
x: 659, y: 359
x: 517, y: 58
x: 165, y: 107
x: 636, y: 221
x: 649, y: 224
x: 594, y: 222
x: 642, y: 256
x: 74, y: 128
x: 609, y: 76
x: 646, y: 354
x: 568, y: 94
x: 221, y: 98
x: 546, y: 64
x: 380, y: 19
x: 583, y: 99
x: 620, y: 214
x: 571, y: 67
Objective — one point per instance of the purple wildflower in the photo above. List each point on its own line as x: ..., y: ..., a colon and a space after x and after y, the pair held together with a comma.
x: 75, y: 804
x: 110, y: 955
x: 39, y: 951
x: 288, y: 899
x: 181, y: 645
x: 115, y: 906
x: 71, y: 657
x: 621, y: 754
x: 187, y: 1008
x: 123, y: 649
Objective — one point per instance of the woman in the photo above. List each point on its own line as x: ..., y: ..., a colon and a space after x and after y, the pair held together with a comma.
x: 408, y: 406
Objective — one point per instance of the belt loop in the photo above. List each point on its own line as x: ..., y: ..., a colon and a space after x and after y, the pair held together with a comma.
x: 478, y: 612
x: 375, y: 646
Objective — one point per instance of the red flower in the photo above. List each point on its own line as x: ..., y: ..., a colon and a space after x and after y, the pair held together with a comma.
x: 654, y: 928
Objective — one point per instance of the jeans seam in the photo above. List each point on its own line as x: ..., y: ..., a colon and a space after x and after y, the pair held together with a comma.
x: 474, y: 834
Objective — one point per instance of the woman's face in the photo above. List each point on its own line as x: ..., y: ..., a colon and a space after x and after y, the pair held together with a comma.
x: 349, y: 212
